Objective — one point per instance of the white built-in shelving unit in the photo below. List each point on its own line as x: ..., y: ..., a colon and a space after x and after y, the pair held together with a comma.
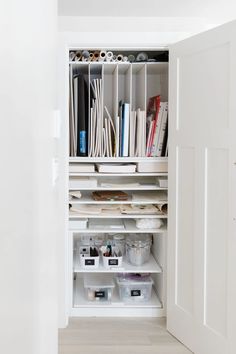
x: 135, y: 83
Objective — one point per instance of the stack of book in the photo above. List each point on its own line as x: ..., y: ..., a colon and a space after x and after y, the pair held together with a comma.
x: 157, y: 121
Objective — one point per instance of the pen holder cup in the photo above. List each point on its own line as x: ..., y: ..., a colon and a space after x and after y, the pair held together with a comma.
x: 112, y: 262
x: 87, y: 261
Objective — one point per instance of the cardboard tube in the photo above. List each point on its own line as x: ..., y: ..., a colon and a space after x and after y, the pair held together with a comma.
x: 78, y: 56
x: 72, y: 56
x: 103, y: 55
x: 91, y: 56
x: 142, y: 57
x: 119, y: 57
x: 96, y: 55
x: 131, y: 58
x: 109, y: 56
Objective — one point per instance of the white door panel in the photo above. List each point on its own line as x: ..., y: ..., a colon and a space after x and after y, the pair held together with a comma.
x: 202, y: 192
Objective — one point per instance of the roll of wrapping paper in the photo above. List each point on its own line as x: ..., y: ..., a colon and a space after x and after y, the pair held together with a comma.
x: 103, y: 55
x: 78, y: 56
x: 109, y: 56
x: 125, y: 58
x: 142, y: 57
x: 114, y: 58
x: 131, y: 58
x: 91, y: 56
x: 72, y: 56
x: 96, y: 55
x: 85, y: 55
x: 119, y: 57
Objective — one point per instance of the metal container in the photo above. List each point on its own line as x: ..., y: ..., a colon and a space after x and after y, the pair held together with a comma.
x: 138, y: 248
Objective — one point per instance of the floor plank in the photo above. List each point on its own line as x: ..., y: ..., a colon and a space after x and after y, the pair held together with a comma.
x: 118, y: 335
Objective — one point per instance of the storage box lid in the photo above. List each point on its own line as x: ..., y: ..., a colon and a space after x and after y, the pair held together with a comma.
x: 134, y: 279
x: 98, y: 281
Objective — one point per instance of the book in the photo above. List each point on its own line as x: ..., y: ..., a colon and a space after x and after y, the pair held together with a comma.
x: 140, y: 133
x: 81, y: 105
x: 115, y: 168
x: 153, y: 110
x: 132, y: 131
x: 125, y: 129
x: 158, y: 123
x: 163, y: 128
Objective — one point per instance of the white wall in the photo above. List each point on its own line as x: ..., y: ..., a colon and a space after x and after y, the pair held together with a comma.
x: 164, y: 30
x: 28, y: 298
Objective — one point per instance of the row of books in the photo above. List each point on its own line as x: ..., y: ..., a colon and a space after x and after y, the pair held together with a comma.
x: 94, y: 132
x: 157, y: 124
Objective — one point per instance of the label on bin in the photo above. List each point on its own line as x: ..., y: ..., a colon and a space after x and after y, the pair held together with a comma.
x: 112, y: 262
x: 99, y: 294
x: 135, y: 292
x: 89, y: 262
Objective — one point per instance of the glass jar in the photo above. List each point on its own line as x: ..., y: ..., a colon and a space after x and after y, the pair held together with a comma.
x: 119, y: 242
x: 138, y: 248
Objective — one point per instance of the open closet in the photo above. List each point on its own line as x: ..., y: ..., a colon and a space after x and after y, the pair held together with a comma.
x: 188, y: 275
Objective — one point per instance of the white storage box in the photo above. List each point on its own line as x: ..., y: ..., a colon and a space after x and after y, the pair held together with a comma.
x: 99, y: 287
x: 153, y: 166
x: 78, y: 224
x: 134, y: 287
x: 86, y: 260
x: 112, y: 262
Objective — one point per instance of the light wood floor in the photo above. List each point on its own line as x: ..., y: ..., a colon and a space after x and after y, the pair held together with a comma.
x: 118, y: 335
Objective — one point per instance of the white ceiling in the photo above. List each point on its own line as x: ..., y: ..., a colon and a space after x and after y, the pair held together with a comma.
x: 210, y: 9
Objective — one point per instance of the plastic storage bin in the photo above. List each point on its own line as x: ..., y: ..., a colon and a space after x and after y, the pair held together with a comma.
x: 112, y: 262
x: 138, y: 248
x: 87, y: 260
x: 99, y: 287
x: 134, y: 287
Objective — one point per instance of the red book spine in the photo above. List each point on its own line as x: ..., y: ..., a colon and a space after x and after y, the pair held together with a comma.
x: 158, y: 103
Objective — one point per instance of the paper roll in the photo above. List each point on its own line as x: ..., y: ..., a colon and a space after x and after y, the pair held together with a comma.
x: 85, y: 55
x: 72, y: 56
x: 91, y: 56
x: 96, y: 55
x: 114, y: 58
x: 142, y: 57
x: 78, y: 56
x: 103, y: 55
x: 109, y: 56
x: 125, y: 58
x: 131, y: 58
x: 119, y: 57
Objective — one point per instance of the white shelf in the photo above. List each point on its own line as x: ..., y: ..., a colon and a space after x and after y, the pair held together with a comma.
x: 130, y: 228
x: 115, y: 216
x: 135, y: 174
x: 89, y: 200
x: 116, y: 159
x: 140, y: 188
x: 134, y: 83
x: 81, y: 301
x: 150, y: 267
